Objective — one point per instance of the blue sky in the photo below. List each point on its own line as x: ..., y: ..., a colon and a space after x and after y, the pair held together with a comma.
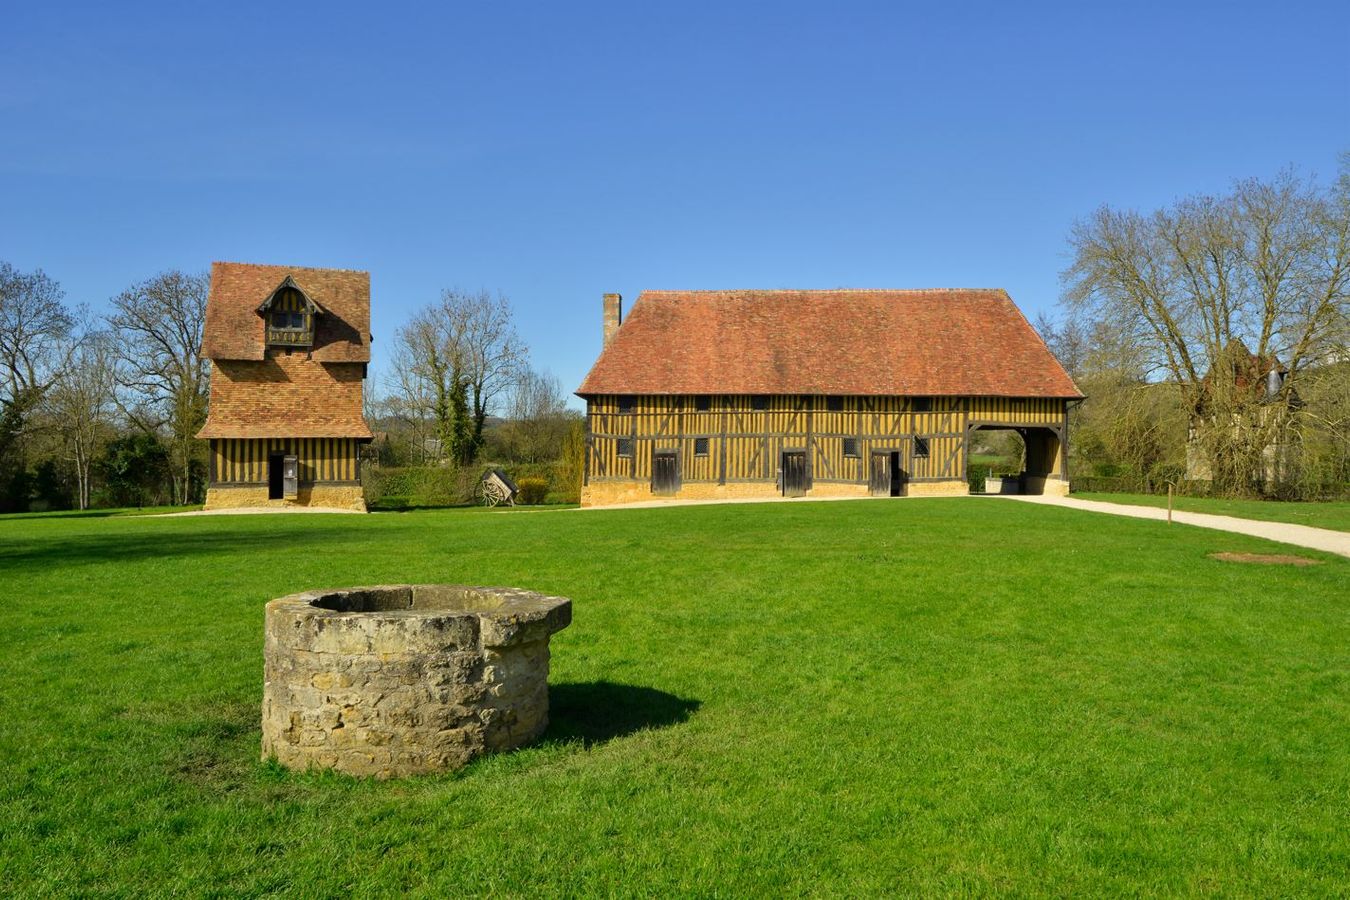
x: 556, y: 151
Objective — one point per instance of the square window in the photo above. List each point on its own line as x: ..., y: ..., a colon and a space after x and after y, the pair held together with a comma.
x: 851, y: 447
x: 625, y: 446
x: 759, y: 402
x: 702, y: 403
x: 834, y: 404
x: 627, y: 404
x: 920, y: 448
x: 922, y: 404
x: 700, y: 446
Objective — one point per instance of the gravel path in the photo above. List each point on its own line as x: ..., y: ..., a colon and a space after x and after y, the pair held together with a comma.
x: 1299, y: 535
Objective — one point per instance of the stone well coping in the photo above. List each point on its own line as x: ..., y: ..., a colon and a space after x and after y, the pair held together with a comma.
x: 463, y: 614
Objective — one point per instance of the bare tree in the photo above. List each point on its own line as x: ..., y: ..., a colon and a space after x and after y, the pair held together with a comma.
x: 158, y: 324
x: 493, y: 355
x: 1213, y: 293
x: 34, y: 343
x: 537, y: 418
x: 1066, y: 341
x: 453, y: 362
x: 82, y: 403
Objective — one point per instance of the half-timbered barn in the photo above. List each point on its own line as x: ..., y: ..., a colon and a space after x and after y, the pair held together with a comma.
x: 710, y: 394
x: 289, y: 348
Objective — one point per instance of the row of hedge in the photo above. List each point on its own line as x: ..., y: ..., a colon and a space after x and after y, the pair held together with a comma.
x: 405, y: 487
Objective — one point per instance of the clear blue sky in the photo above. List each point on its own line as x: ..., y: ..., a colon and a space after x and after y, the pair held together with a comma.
x: 556, y: 151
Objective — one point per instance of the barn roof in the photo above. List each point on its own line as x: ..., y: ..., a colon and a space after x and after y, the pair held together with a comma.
x: 234, y: 326
x: 948, y: 342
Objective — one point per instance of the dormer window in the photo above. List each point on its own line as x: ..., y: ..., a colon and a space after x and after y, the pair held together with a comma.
x: 288, y: 321
x: 291, y: 316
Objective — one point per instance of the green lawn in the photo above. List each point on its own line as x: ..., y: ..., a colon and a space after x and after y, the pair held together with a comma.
x: 853, y: 698
x: 1319, y: 515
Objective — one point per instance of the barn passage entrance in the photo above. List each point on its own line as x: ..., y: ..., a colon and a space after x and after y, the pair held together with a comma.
x: 665, y: 472
x: 796, y: 475
x: 887, y: 477
x: 1041, y: 459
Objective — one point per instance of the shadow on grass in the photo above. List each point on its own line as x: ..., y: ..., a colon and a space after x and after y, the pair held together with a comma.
x: 43, y: 554
x: 599, y: 711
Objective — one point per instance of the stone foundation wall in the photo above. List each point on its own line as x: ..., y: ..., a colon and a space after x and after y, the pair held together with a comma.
x: 405, y: 679
x: 937, y: 489
x: 336, y: 496
x: 609, y: 493
x: 1049, y: 487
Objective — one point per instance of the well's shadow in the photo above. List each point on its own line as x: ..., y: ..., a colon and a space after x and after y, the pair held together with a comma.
x: 600, y: 711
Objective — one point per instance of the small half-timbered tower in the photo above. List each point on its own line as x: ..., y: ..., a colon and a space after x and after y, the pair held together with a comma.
x: 289, y: 348
x: 710, y: 394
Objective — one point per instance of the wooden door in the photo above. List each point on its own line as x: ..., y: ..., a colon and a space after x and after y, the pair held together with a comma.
x: 290, y: 476
x: 796, y: 477
x: 665, y: 472
x: 879, y: 480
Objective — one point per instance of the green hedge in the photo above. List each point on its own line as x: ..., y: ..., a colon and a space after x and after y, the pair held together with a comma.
x: 404, y: 487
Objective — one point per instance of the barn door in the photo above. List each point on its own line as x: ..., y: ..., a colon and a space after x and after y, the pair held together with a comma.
x: 290, y: 476
x: 879, y: 481
x: 796, y: 478
x: 665, y: 472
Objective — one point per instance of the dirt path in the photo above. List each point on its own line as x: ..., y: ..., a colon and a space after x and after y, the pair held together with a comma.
x: 256, y: 511
x: 1299, y: 535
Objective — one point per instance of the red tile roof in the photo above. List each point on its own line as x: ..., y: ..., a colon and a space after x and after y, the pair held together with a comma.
x: 285, y: 396
x: 950, y: 342
x: 235, y: 330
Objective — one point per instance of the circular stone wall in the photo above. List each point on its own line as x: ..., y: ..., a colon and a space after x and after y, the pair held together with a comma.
x: 405, y: 679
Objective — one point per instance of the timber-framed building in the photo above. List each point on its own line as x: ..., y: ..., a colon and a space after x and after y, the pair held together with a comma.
x: 711, y: 394
x: 289, y: 347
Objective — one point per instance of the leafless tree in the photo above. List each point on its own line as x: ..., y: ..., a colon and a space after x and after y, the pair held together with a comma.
x: 1211, y: 292
x: 34, y: 344
x: 158, y: 324
x: 493, y: 354
x: 536, y: 418
x: 454, y: 361
x: 82, y: 403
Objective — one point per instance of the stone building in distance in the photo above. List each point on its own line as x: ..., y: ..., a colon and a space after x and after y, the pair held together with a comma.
x: 721, y: 394
x: 289, y: 348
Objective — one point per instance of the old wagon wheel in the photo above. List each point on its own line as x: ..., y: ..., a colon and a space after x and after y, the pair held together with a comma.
x: 491, y: 493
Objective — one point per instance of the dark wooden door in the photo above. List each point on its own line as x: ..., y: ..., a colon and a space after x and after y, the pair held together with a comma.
x: 879, y: 480
x: 796, y: 478
x: 665, y: 472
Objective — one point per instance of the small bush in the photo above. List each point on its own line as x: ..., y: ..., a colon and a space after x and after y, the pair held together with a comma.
x: 976, y: 475
x: 533, y: 490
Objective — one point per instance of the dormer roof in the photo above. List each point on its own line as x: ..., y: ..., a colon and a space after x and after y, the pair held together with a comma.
x: 289, y: 282
x: 235, y: 330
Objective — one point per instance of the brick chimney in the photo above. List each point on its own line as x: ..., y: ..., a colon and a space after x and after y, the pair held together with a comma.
x: 613, y: 315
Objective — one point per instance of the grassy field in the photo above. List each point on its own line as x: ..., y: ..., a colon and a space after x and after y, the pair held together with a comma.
x: 852, y: 698
x: 1335, y: 516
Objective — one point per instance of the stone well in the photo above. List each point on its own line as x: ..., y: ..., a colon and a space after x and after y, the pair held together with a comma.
x: 405, y: 679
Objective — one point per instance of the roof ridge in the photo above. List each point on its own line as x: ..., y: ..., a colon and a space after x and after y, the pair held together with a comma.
x: 227, y: 262
x: 936, y: 290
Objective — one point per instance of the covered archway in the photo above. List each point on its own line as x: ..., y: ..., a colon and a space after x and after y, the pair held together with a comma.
x: 1044, y: 469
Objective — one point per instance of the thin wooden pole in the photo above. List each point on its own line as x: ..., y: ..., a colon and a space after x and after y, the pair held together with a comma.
x: 1169, y: 504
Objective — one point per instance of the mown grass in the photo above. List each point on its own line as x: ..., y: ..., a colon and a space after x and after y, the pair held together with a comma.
x: 1333, y: 515
x: 852, y: 698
